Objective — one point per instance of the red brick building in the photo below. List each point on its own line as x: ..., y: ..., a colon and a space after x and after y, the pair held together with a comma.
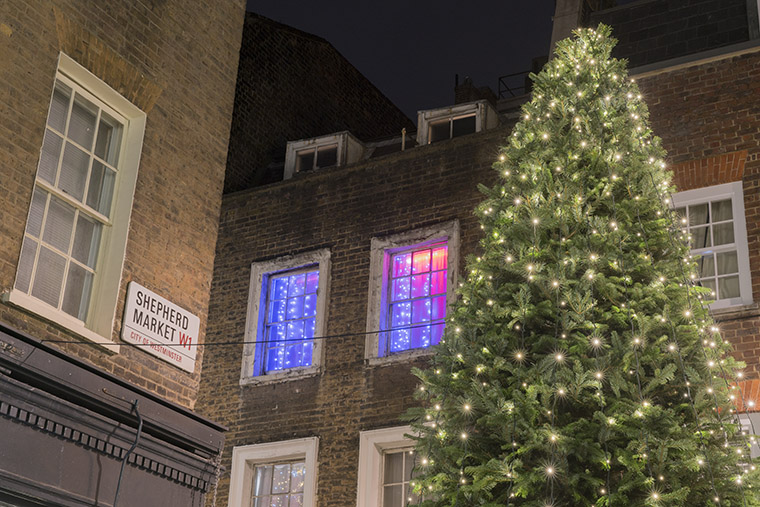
x: 113, y: 141
x: 330, y: 284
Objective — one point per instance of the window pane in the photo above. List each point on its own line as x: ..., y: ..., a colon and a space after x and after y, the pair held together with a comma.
x: 700, y: 237
x: 48, y: 279
x: 327, y: 156
x: 710, y: 284
x: 698, y: 214
x: 51, y: 152
x: 305, y: 160
x: 82, y: 123
x: 310, y: 305
x: 297, y: 475
x: 463, y: 126
x: 26, y: 265
x: 59, y: 107
x: 108, y: 141
x: 295, y: 307
x: 438, y: 283
x: 296, y: 500
x: 293, y: 356
x: 393, y: 468
x: 280, y: 289
x: 281, y: 479
x: 400, y: 340
x: 408, y: 465
x: 728, y: 287
x: 421, y: 311
x: 59, y: 224
x: 393, y: 496
x: 36, y: 211
x: 420, y: 337
x: 436, y: 333
x: 296, y: 285
x: 706, y: 265
x: 439, y: 308
x: 401, y: 314
x: 312, y: 282
x: 420, y: 285
x: 76, y: 297
x: 100, y: 190
x: 722, y: 210
x: 723, y: 234
x: 295, y: 330
x: 728, y: 263
x: 86, y: 241
x: 263, y: 480
x: 277, y: 310
x: 308, y: 350
x: 421, y: 261
x: 308, y: 328
x: 401, y: 288
x: 402, y: 265
x: 440, y: 258
x: 439, y: 131
x: 74, y: 171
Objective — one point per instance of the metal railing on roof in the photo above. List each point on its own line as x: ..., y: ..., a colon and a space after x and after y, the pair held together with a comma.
x: 512, y: 85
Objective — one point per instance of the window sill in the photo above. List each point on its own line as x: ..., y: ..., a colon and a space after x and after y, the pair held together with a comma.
x: 282, y: 376
x: 29, y: 304
x: 735, y: 311
x: 401, y: 357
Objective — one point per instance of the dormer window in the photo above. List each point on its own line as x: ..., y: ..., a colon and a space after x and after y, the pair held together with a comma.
x: 321, y: 152
x: 316, y: 157
x: 435, y: 125
x: 451, y: 127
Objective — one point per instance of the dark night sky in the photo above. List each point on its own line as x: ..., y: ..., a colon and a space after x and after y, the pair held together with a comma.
x: 411, y: 50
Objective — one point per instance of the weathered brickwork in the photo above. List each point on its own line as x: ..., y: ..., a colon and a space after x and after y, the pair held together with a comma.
x: 340, y: 209
x: 293, y: 85
x: 176, y: 64
x: 707, y: 116
x: 657, y: 30
x: 709, y: 171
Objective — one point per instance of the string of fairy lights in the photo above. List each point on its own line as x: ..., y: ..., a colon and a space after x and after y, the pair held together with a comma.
x: 636, y: 331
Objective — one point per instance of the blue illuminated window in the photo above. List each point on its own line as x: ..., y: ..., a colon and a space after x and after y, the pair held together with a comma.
x: 416, y: 298
x: 290, y: 319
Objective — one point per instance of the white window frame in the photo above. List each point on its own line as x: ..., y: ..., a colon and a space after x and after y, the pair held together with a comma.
x: 749, y: 422
x: 260, y: 273
x: 735, y: 192
x: 99, y: 325
x: 486, y: 117
x: 373, y: 444
x: 246, y: 457
x: 349, y: 150
x: 381, y: 250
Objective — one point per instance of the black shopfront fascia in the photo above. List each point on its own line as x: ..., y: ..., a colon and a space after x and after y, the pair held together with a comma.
x: 66, y: 427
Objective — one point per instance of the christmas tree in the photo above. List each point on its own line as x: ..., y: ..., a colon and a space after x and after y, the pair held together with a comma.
x: 580, y: 366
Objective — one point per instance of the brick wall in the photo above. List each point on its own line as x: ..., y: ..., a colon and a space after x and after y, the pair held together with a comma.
x: 709, y: 124
x: 656, y: 30
x: 292, y: 85
x: 340, y: 209
x: 708, y: 119
x: 178, y: 65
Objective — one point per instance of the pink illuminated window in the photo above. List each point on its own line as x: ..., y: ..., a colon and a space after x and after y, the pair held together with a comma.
x: 416, y: 298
